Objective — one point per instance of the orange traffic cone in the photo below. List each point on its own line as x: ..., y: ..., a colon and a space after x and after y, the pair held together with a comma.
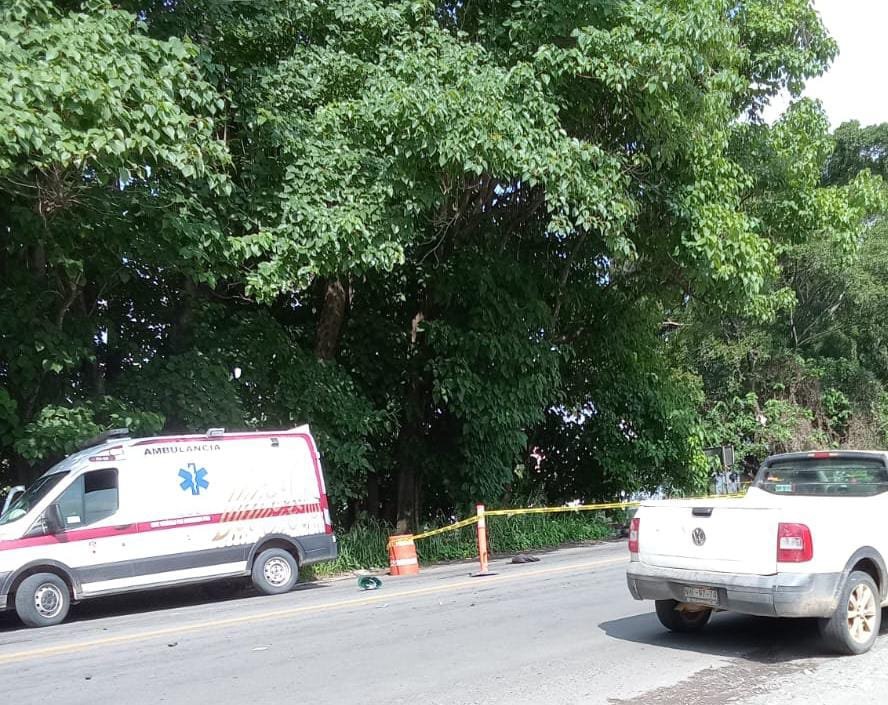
x: 402, y: 555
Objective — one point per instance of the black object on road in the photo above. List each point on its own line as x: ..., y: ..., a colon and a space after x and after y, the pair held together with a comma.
x: 524, y: 558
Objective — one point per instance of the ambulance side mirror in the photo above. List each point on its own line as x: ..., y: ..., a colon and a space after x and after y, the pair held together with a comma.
x: 52, y: 519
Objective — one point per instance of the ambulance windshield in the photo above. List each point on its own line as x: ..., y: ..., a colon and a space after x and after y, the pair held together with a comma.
x: 31, y: 497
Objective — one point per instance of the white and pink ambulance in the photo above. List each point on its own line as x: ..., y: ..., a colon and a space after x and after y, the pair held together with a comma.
x: 129, y: 514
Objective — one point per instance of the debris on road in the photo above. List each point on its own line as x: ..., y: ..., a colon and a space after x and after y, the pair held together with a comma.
x: 525, y: 558
x: 369, y: 582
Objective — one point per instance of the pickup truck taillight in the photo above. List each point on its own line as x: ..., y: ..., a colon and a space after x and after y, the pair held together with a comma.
x: 794, y: 544
x: 633, y: 535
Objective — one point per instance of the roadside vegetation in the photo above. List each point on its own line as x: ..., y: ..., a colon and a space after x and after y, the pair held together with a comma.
x: 487, y: 250
x: 363, y: 546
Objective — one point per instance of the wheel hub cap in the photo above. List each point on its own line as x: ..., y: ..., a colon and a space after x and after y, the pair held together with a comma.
x: 48, y: 600
x: 861, y: 614
x: 277, y: 571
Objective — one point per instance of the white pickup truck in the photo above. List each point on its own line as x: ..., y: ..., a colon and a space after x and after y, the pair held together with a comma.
x: 809, y: 539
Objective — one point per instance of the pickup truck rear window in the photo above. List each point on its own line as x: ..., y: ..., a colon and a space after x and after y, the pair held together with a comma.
x: 843, y: 477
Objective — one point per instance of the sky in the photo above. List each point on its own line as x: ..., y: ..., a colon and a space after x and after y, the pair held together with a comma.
x: 855, y: 86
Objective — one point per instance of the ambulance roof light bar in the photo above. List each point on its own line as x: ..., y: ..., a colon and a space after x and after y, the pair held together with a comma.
x: 109, y: 435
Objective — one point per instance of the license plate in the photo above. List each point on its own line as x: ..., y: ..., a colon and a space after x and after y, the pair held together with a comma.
x: 701, y: 595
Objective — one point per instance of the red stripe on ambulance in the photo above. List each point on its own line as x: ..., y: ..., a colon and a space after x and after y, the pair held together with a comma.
x: 162, y: 524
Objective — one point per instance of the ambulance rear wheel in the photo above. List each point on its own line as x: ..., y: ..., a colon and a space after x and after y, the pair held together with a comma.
x: 275, y: 571
x: 42, y: 600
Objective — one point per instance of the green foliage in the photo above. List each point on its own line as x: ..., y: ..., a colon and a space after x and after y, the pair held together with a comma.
x: 482, y: 248
x: 507, y: 535
x: 58, y: 430
x: 532, y: 531
x: 757, y: 429
x: 89, y: 92
x: 784, y: 43
x: 857, y: 149
x: 880, y: 417
x: 280, y: 384
x: 345, y: 422
x: 491, y: 370
x: 628, y: 418
x: 102, y: 123
x: 837, y: 408
x: 191, y: 390
x: 364, y: 545
x: 375, y: 148
x: 813, y: 368
x: 9, y: 419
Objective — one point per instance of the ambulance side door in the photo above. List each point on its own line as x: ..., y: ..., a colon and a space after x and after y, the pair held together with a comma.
x: 94, y: 531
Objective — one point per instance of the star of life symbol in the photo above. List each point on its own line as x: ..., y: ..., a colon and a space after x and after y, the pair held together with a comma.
x: 193, y: 479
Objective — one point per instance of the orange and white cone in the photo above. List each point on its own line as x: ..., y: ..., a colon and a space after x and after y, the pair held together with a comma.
x: 402, y: 555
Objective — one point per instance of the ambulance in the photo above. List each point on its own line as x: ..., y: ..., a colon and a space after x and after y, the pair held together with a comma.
x: 127, y: 514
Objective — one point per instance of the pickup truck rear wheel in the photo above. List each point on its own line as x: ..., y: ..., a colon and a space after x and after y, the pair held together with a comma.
x: 684, y: 621
x: 854, y: 626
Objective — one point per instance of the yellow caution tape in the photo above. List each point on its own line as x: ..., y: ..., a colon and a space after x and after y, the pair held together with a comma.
x: 546, y: 510
x: 552, y: 510
x: 589, y: 507
x: 444, y: 529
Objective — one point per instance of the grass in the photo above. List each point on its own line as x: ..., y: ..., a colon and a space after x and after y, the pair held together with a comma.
x: 364, y: 546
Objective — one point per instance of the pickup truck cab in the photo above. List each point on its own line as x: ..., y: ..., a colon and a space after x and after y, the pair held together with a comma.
x: 809, y: 539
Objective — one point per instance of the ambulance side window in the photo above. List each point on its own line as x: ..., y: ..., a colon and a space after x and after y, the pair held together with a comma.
x: 92, y: 497
x: 71, y: 504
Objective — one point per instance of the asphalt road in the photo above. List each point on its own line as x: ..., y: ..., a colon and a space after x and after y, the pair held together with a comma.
x: 563, y: 630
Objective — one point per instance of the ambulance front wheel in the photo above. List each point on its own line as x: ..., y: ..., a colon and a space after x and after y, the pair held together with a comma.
x: 42, y: 600
x: 275, y: 571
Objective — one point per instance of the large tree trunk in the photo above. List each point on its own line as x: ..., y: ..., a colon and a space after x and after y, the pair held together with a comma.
x: 411, y: 440
x: 408, y: 493
x: 372, y: 495
x: 92, y: 370
x: 331, y: 320
x: 179, y: 341
x: 181, y: 332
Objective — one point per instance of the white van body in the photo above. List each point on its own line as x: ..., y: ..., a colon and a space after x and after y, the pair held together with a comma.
x: 139, y: 513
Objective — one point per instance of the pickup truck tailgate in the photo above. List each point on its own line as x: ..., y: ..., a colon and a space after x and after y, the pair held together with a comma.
x: 736, y: 536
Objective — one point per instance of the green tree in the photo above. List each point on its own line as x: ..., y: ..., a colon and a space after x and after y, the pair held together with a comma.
x: 817, y: 362
x: 100, y: 124
x: 448, y: 235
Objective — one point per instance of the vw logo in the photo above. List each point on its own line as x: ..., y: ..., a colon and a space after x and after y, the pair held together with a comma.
x: 698, y: 536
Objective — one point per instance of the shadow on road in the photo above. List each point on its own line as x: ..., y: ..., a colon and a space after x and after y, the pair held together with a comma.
x: 154, y: 600
x: 758, y: 639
